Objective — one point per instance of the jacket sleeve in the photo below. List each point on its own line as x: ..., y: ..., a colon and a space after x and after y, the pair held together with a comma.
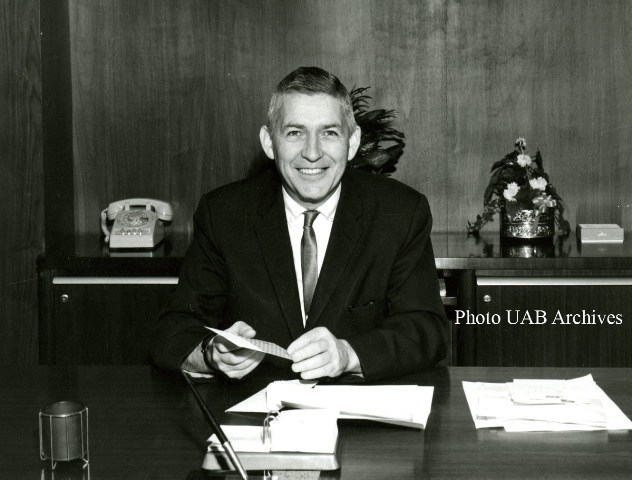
x: 198, y: 300
x: 413, y: 334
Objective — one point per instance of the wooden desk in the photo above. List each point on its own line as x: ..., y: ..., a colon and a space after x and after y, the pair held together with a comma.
x: 144, y: 424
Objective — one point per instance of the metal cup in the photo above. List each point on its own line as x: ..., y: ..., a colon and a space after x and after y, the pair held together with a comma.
x: 63, y: 428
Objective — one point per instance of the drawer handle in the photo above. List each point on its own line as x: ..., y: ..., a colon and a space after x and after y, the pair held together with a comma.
x: 487, y: 298
x: 65, y: 298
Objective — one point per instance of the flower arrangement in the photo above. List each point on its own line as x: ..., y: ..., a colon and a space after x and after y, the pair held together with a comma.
x: 519, y: 182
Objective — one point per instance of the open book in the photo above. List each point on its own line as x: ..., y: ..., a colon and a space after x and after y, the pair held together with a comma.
x: 406, y: 405
x: 294, y: 439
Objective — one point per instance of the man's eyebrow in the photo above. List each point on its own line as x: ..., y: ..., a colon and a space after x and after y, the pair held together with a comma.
x: 292, y: 125
x: 303, y: 127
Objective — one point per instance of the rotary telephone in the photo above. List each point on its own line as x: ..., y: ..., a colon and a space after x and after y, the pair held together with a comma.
x: 135, y: 222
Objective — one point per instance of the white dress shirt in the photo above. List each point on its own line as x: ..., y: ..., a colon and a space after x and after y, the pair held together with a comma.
x: 322, y: 228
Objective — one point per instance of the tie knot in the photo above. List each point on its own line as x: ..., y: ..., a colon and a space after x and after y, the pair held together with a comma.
x: 310, y: 216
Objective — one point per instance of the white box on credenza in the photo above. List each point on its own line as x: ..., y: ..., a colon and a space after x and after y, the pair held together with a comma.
x: 599, y: 233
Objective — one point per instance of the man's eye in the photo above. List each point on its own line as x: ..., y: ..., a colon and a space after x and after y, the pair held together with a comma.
x: 331, y: 133
x: 294, y: 133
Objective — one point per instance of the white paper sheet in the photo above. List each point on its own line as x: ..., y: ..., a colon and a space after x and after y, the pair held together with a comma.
x: 545, y: 392
x: 253, y: 344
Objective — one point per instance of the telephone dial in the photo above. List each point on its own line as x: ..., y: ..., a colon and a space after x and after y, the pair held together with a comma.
x: 135, y: 222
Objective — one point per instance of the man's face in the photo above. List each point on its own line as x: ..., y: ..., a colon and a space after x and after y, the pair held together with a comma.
x: 310, y: 145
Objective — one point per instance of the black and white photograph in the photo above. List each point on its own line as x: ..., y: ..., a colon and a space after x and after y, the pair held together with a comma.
x: 316, y: 239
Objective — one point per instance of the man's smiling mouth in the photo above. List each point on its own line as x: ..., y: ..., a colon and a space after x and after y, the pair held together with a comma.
x: 311, y: 171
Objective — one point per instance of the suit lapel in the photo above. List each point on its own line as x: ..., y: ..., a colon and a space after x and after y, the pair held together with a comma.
x: 345, y: 233
x: 274, y: 241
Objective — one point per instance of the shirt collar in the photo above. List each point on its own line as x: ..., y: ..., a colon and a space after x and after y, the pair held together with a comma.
x: 294, y: 211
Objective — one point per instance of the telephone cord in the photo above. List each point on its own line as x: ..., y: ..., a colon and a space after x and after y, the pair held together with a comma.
x: 104, y: 227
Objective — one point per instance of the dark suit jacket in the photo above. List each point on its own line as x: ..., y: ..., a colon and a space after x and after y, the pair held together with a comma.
x: 377, y: 289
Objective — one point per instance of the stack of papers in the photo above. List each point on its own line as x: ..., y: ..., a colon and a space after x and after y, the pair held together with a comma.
x: 406, y: 405
x: 544, y: 405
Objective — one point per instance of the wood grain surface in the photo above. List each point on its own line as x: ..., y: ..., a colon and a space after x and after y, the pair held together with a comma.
x: 558, y: 73
x: 168, y: 98
x: 144, y: 424
x: 21, y: 187
x: 558, y: 341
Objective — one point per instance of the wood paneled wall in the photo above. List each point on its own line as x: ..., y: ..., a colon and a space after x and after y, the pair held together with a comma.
x: 21, y: 184
x: 169, y: 96
x: 558, y: 73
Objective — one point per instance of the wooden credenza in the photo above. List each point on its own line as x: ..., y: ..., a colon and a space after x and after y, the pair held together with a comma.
x: 98, y: 307
x: 542, y: 304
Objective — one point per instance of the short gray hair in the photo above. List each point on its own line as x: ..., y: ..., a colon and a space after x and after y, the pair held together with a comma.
x: 311, y: 81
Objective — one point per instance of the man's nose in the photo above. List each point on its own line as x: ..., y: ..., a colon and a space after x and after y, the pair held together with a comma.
x: 311, y: 149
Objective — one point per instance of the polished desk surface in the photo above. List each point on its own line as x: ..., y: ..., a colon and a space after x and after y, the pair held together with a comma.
x: 88, y: 255
x: 144, y: 424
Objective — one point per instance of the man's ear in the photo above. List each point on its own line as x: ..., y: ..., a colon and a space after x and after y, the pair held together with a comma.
x: 354, y: 142
x: 266, y: 142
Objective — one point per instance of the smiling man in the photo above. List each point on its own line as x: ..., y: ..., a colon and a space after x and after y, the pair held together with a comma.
x: 334, y: 264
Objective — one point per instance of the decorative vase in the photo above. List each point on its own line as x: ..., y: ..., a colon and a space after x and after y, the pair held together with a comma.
x: 526, y: 225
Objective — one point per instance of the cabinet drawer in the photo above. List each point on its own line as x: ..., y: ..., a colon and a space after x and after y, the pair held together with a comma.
x: 105, y: 321
x: 556, y: 322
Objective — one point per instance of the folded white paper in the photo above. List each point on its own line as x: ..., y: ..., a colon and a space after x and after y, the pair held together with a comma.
x: 253, y: 344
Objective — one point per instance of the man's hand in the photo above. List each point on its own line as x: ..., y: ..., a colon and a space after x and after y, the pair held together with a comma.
x: 318, y: 353
x: 235, y: 362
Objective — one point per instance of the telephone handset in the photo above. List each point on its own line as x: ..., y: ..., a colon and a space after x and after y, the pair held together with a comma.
x: 135, y: 227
